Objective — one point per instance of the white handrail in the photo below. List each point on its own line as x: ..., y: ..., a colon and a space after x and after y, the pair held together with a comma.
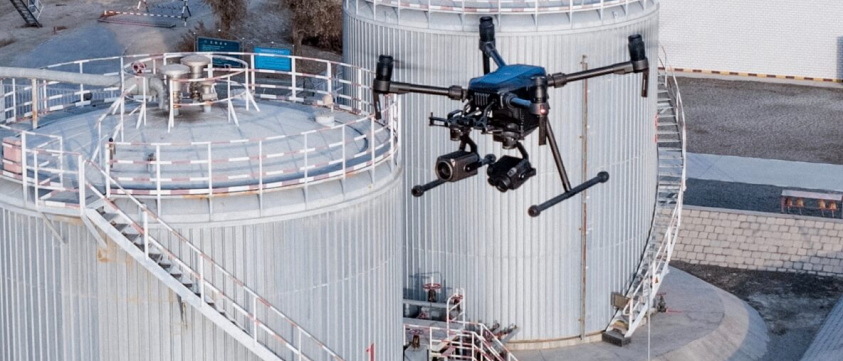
x: 483, y: 340
x: 645, y: 291
x: 199, y: 276
x: 353, y: 162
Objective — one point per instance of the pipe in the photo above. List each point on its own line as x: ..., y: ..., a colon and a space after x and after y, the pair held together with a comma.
x: 59, y: 76
x: 156, y: 86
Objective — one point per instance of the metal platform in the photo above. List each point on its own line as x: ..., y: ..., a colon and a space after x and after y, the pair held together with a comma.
x: 223, y: 147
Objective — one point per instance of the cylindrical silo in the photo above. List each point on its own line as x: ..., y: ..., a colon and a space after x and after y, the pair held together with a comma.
x: 516, y: 269
x: 284, y: 217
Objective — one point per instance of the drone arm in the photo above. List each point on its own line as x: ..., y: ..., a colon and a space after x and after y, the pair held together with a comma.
x: 489, y: 50
x: 559, y: 80
x: 454, y: 92
x: 638, y: 64
x: 383, y: 83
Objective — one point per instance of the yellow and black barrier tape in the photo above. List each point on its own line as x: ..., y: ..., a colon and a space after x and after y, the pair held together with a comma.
x: 756, y: 75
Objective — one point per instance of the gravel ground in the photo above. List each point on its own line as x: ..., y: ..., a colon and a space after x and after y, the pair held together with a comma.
x: 741, y: 196
x: 793, y: 306
x: 764, y: 120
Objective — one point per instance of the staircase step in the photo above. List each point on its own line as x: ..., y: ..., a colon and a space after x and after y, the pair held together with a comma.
x: 154, y: 254
x: 110, y: 217
x: 136, y: 239
x: 614, y: 337
x: 176, y: 272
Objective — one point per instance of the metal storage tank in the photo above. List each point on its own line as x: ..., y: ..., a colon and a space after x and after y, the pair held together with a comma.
x: 515, y: 269
x: 274, y: 223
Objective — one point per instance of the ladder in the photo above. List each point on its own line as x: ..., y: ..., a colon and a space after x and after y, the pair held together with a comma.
x: 30, y: 10
x: 194, y: 276
x: 670, y: 139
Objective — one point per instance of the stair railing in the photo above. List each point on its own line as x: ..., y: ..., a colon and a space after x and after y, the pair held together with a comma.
x: 641, y: 296
x: 206, y: 288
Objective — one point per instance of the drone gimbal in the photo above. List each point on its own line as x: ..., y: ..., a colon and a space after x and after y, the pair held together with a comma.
x: 509, y: 103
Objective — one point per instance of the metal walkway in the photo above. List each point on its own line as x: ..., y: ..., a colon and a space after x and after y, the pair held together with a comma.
x: 195, y: 277
x: 667, y: 215
x: 30, y: 10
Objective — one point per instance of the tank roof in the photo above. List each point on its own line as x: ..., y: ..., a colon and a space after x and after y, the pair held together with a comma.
x: 318, y: 132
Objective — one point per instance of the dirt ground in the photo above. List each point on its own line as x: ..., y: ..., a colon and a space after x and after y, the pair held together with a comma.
x: 793, y: 306
x: 72, y: 21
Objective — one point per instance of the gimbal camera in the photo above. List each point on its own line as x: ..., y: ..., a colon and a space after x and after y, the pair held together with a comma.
x: 509, y: 103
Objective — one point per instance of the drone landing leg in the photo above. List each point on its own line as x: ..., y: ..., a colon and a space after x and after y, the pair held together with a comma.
x: 419, y: 191
x: 557, y: 157
x: 537, y: 210
x: 601, y: 177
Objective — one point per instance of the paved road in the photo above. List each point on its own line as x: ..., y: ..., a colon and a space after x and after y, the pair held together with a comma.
x: 764, y: 120
x: 780, y: 173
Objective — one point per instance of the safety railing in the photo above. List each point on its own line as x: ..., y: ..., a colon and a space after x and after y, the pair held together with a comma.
x: 492, y: 7
x: 251, y: 312
x: 461, y: 339
x: 324, y: 154
x: 641, y: 298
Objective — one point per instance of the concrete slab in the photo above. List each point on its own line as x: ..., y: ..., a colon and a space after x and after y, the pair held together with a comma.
x: 702, y: 323
x: 772, y: 172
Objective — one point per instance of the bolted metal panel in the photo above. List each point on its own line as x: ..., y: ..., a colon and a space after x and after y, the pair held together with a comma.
x: 335, y: 270
x: 516, y: 269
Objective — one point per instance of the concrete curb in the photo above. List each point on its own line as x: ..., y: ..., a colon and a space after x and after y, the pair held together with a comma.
x: 742, y: 335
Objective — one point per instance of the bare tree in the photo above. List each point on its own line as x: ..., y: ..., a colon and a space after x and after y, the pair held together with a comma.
x: 229, y: 12
x: 317, y: 20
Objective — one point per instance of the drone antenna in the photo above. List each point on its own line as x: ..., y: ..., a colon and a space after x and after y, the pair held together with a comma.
x: 487, y: 44
x: 487, y: 35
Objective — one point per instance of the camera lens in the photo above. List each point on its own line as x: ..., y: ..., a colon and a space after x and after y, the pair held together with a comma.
x: 503, y: 187
x: 444, y: 170
x: 509, y: 173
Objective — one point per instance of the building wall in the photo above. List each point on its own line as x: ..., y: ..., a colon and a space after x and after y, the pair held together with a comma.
x: 774, y: 37
x: 761, y: 241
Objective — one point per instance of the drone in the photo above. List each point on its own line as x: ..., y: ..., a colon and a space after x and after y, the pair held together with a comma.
x: 509, y: 103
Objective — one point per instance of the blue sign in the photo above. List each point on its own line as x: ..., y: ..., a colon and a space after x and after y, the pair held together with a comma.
x: 219, y: 46
x: 278, y: 63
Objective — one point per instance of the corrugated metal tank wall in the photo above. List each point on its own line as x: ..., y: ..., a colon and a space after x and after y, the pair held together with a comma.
x: 335, y: 271
x: 516, y: 269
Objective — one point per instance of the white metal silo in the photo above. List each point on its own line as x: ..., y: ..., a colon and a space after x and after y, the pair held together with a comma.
x: 516, y: 269
x: 236, y: 230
